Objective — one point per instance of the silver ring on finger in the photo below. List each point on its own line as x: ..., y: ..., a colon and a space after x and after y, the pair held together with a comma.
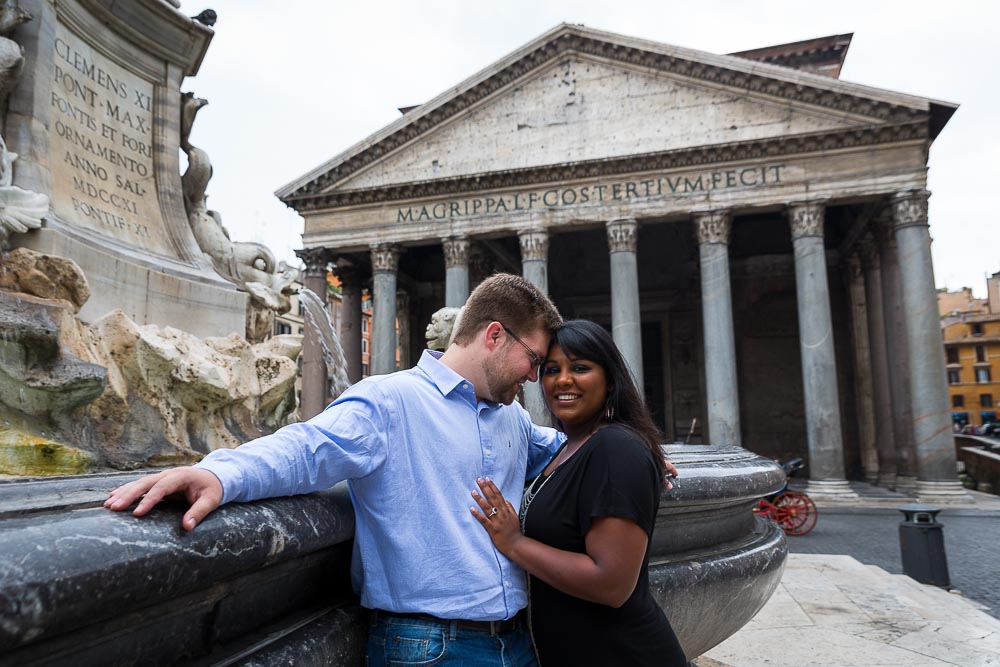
x: 493, y: 513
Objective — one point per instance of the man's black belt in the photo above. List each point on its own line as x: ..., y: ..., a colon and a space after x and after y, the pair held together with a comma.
x: 493, y: 627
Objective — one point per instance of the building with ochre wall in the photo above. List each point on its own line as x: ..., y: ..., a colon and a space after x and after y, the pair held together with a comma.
x: 972, y: 355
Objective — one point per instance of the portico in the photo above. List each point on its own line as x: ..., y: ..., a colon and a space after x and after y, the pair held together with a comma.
x: 735, y: 224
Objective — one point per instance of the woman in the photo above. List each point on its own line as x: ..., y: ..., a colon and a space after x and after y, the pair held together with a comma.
x: 586, y: 522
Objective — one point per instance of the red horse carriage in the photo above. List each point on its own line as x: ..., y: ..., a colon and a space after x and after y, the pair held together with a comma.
x: 793, y: 511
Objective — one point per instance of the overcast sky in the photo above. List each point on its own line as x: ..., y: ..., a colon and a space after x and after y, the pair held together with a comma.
x: 292, y: 83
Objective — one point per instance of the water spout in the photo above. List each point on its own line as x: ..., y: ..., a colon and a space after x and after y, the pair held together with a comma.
x: 318, y: 317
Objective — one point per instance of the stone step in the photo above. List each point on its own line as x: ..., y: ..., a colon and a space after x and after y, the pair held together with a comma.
x: 927, y: 595
x: 952, y: 599
x: 928, y: 601
x: 834, y: 610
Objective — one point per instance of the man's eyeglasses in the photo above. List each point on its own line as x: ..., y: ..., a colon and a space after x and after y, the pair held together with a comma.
x: 536, y: 361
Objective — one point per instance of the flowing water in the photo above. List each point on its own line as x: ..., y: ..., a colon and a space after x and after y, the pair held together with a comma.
x: 318, y: 317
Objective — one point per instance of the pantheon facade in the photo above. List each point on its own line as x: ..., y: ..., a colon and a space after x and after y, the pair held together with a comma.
x: 753, y: 231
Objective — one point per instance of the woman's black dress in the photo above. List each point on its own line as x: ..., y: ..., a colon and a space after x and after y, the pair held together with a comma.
x: 612, y: 475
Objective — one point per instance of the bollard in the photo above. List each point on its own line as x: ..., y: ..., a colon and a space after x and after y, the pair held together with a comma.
x: 921, y: 544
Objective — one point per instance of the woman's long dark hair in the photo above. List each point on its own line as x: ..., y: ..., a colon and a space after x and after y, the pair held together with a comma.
x: 584, y: 339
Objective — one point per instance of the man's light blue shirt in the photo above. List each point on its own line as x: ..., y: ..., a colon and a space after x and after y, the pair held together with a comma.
x: 411, y: 445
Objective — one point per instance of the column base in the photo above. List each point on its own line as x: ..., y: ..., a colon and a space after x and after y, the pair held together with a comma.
x: 942, y: 492
x: 905, y: 484
x: 830, y: 488
x: 887, y: 479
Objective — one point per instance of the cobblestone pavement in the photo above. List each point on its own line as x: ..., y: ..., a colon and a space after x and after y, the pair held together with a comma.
x: 871, y: 535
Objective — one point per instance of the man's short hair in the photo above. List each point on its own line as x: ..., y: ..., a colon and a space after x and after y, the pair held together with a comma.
x: 510, y: 300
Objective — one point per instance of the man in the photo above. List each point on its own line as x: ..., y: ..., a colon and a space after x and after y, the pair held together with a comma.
x: 411, y: 445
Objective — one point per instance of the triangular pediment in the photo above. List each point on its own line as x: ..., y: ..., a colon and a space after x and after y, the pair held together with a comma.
x: 583, y: 110
x: 577, y: 96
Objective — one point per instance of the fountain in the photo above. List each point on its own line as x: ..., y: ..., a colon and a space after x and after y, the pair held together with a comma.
x: 95, y: 374
x: 76, y: 397
x: 318, y: 317
x: 132, y: 329
x: 268, y: 582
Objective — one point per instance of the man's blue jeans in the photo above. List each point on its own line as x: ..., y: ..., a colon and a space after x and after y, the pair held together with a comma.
x: 395, y: 641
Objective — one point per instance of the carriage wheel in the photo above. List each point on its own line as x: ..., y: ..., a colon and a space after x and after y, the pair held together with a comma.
x: 796, y: 512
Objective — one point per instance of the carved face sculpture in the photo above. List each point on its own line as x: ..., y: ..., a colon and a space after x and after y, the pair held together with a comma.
x: 438, y: 332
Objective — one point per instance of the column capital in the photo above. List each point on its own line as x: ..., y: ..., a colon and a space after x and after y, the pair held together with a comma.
x: 713, y: 226
x: 534, y: 245
x: 456, y: 251
x: 316, y: 260
x: 909, y: 208
x: 884, y: 228
x: 622, y: 234
x: 806, y: 218
x: 385, y: 257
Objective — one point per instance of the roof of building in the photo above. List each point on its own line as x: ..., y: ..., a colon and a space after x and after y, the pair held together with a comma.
x: 822, y: 55
x: 758, y: 70
x: 968, y: 338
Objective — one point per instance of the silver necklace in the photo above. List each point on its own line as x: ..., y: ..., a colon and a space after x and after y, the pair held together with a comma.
x: 531, y: 492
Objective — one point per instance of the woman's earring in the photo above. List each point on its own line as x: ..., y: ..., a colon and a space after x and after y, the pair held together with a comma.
x: 609, y: 413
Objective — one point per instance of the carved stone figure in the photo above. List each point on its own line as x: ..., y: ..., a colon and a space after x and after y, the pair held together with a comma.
x: 442, y: 327
x: 20, y: 210
x: 76, y: 396
x: 250, y: 266
x: 111, y: 393
x: 11, y: 16
x: 11, y: 53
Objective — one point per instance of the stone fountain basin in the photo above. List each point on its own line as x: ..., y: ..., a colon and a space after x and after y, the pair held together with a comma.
x: 714, y: 563
x: 268, y: 581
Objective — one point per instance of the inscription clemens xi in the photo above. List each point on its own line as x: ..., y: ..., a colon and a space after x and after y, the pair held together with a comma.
x: 102, y: 147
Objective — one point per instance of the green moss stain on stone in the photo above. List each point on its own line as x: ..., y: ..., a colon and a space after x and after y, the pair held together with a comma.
x: 27, y: 455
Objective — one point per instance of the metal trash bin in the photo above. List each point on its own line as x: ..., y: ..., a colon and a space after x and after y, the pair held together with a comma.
x: 921, y: 544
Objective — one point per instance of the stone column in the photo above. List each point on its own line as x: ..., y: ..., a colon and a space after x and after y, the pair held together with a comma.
x: 625, y: 316
x: 403, y: 327
x: 315, y: 384
x: 899, y: 369
x: 885, y: 443
x: 350, y: 319
x: 535, y: 269
x: 819, y: 365
x: 717, y: 315
x: 535, y: 257
x: 385, y: 262
x: 933, y: 436
x: 456, y: 276
x: 864, y: 397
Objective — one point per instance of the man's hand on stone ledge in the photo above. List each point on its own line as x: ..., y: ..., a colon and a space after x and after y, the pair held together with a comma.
x: 201, y: 489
